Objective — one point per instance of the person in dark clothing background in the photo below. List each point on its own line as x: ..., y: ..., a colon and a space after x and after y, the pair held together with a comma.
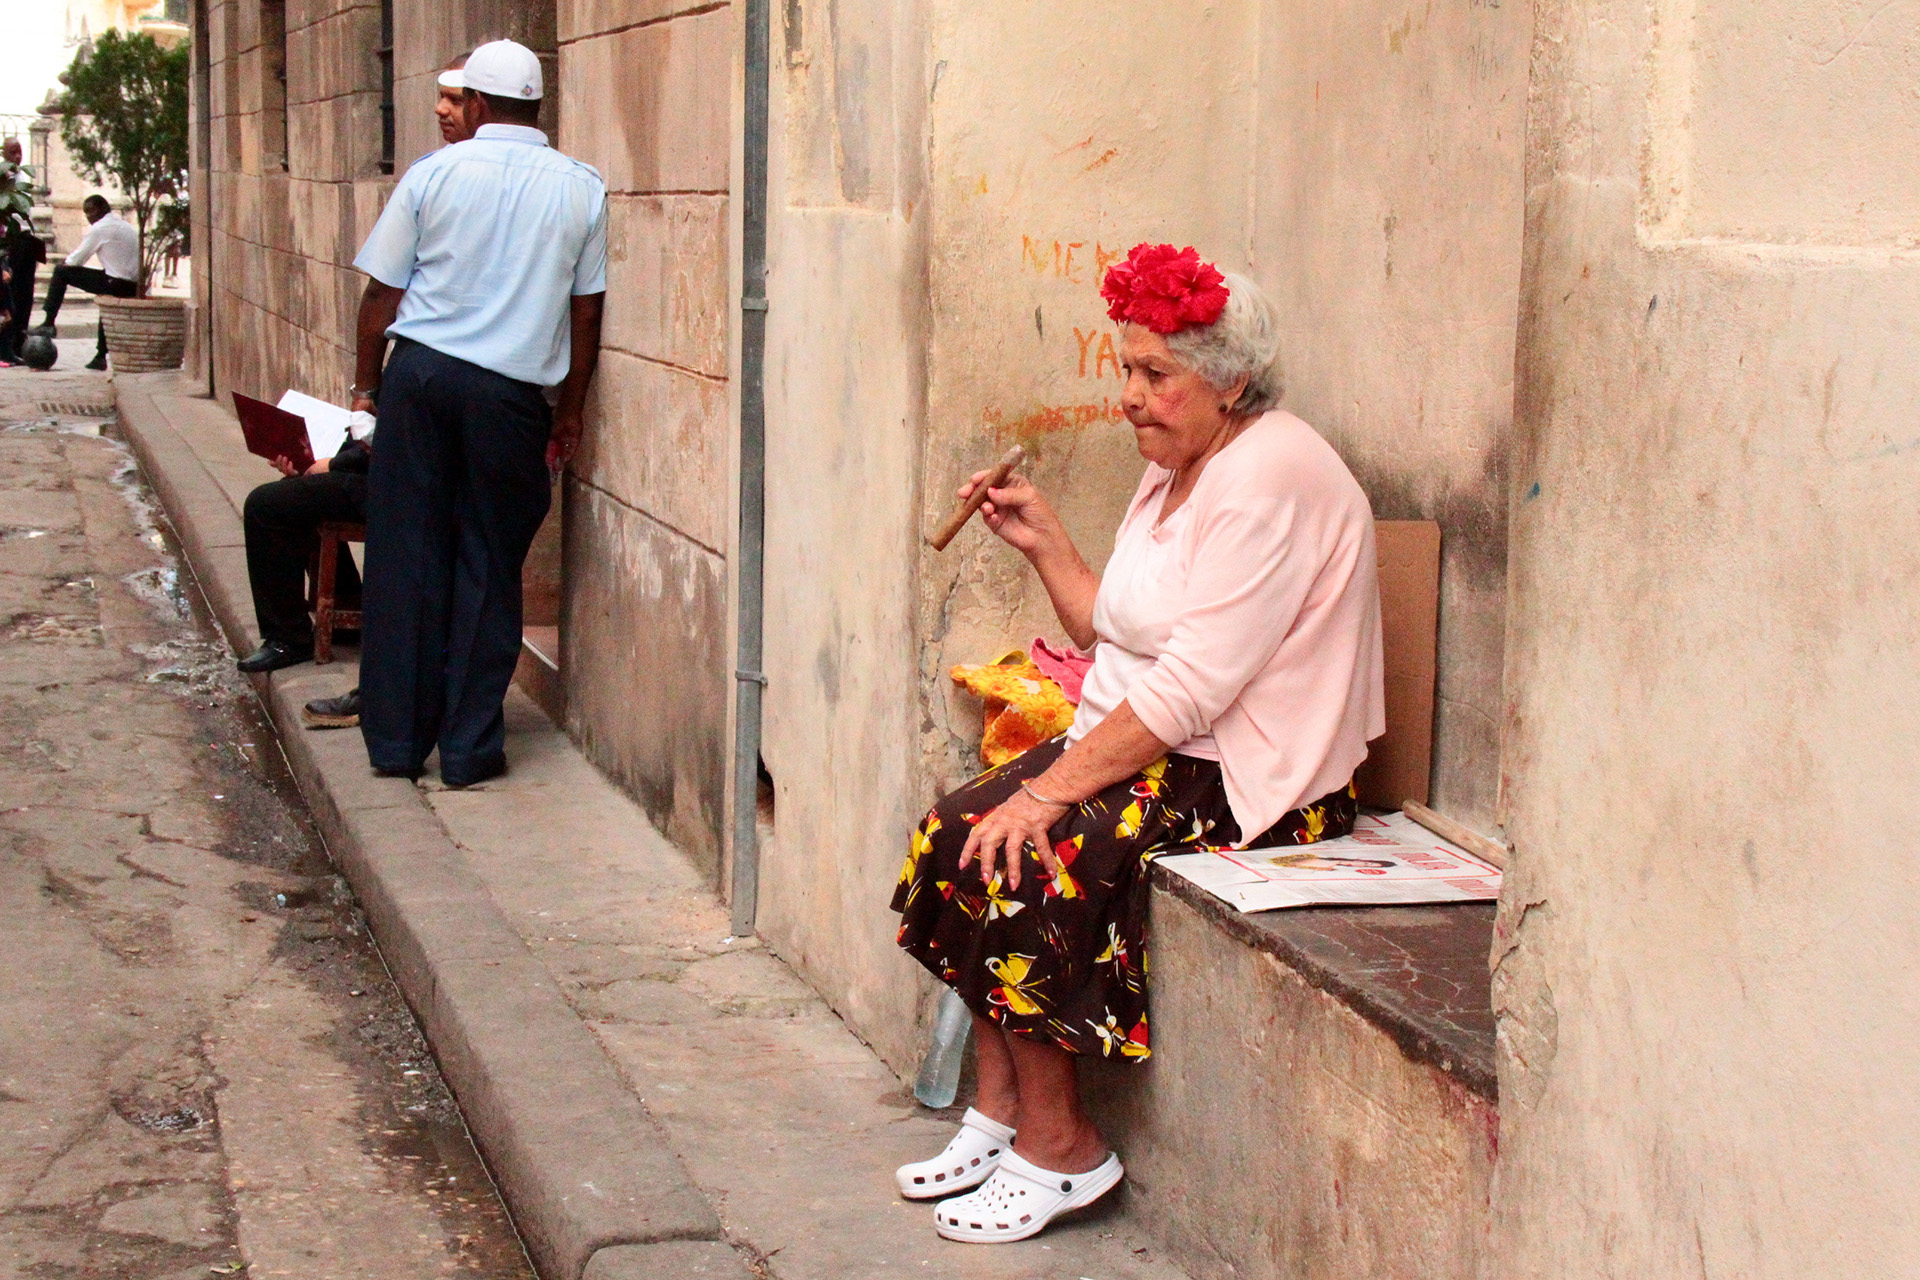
x: 282, y: 521
x: 24, y: 251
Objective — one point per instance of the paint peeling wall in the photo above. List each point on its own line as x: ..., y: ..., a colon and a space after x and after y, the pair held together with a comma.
x: 1706, y: 1006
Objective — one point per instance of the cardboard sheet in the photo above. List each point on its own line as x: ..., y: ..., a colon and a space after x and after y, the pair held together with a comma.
x: 1389, y: 860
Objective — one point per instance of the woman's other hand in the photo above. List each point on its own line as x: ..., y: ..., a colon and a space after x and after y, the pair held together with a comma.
x: 1017, y: 512
x: 1002, y: 836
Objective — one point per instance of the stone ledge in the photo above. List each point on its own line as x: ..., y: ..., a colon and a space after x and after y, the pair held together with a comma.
x: 1419, y: 974
x: 1279, y: 1132
x: 687, y: 1260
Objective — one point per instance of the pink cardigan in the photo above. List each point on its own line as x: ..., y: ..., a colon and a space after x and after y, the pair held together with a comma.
x: 1272, y: 601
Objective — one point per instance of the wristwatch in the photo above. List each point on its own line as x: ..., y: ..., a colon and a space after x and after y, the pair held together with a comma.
x: 372, y: 393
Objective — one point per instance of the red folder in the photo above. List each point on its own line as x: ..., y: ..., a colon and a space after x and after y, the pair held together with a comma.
x: 272, y: 432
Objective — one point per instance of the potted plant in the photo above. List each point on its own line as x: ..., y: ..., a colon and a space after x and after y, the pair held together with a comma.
x: 124, y: 120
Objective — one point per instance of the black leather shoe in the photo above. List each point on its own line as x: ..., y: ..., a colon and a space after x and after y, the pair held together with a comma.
x: 486, y: 773
x: 342, y: 712
x: 411, y: 775
x: 273, y: 655
x: 98, y: 364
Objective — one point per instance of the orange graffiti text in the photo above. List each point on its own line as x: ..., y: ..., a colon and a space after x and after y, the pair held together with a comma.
x: 1049, y: 418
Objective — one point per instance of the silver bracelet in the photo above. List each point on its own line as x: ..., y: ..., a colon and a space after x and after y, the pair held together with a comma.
x: 1060, y: 804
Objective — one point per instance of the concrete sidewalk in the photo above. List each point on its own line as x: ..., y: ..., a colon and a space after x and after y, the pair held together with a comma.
x: 656, y: 1098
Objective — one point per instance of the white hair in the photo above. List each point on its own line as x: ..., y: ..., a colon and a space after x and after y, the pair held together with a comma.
x: 1243, y: 343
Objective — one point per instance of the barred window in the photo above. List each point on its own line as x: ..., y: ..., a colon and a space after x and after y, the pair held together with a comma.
x: 385, y: 54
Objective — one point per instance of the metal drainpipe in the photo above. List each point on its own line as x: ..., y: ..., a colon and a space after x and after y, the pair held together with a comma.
x: 748, y: 679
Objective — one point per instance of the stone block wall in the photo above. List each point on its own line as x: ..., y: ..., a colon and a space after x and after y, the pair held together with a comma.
x: 293, y: 184
x: 645, y: 96
x: 427, y: 34
x: 294, y: 176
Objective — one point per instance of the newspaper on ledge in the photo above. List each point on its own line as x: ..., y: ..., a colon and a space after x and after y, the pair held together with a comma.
x: 1389, y: 860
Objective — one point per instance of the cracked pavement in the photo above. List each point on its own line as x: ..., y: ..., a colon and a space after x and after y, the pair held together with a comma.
x: 204, y: 1069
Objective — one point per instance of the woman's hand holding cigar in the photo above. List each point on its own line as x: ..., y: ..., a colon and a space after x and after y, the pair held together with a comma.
x: 1022, y: 517
x: 1016, y: 511
x: 973, y: 496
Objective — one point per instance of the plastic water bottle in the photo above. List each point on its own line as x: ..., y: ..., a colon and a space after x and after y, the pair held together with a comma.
x: 939, y: 1078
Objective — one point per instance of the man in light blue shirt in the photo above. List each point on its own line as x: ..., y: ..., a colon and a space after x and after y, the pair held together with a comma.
x: 489, y: 271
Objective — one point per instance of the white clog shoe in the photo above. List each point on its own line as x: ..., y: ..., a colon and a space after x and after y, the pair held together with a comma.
x: 1020, y: 1199
x: 969, y: 1159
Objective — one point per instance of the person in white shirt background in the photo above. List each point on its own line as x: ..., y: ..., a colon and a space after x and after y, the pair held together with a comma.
x: 118, y: 276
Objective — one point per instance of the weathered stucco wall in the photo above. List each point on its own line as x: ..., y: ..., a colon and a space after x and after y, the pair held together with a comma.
x: 1050, y: 155
x: 1363, y: 165
x: 1366, y: 168
x: 1387, y: 212
x: 1705, y: 991
x: 645, y: 90
x: 845, y: 411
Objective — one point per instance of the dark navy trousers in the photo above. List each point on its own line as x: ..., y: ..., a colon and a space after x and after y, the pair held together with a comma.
x: 455, y: 495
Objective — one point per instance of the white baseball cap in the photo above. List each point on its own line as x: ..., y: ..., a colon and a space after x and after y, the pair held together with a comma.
x: 502, y: 68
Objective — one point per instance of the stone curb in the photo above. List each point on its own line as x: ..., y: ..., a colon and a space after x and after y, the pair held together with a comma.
x: 589, y: 1180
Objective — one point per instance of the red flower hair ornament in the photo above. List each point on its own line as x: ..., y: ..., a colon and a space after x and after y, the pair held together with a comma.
x: 1164, y: 289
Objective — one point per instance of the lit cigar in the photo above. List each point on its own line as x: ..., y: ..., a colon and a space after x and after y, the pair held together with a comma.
x: 940, y: 537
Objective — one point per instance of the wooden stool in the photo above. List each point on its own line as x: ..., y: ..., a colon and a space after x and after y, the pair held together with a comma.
x: 326, y: 561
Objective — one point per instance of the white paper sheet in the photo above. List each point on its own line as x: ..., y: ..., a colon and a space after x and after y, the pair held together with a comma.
x: 1389, y: 860
x: 326, y: 423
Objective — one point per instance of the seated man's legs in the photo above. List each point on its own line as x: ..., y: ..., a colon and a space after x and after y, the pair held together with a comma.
x: 282, y: 520
x: 94, y: 281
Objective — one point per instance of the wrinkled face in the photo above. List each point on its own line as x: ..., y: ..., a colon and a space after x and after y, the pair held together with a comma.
x: 1176, y: 416
x: 450, y: 109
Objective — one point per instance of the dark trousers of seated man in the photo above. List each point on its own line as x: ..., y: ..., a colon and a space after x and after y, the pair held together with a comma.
x: 282, y: 521
x: 457, y: 491
x: 93, y: 280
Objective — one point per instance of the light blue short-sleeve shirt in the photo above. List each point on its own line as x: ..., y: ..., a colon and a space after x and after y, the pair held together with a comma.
x: 490, y: 238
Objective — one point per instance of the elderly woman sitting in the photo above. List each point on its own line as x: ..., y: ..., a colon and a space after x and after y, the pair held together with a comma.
x: 1235, y: 684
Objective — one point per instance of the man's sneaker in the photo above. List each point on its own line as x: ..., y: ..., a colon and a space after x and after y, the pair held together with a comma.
x: 342, y: 712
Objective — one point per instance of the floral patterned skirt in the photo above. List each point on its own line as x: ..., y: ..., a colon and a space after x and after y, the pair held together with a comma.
x: 1067, y: 958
